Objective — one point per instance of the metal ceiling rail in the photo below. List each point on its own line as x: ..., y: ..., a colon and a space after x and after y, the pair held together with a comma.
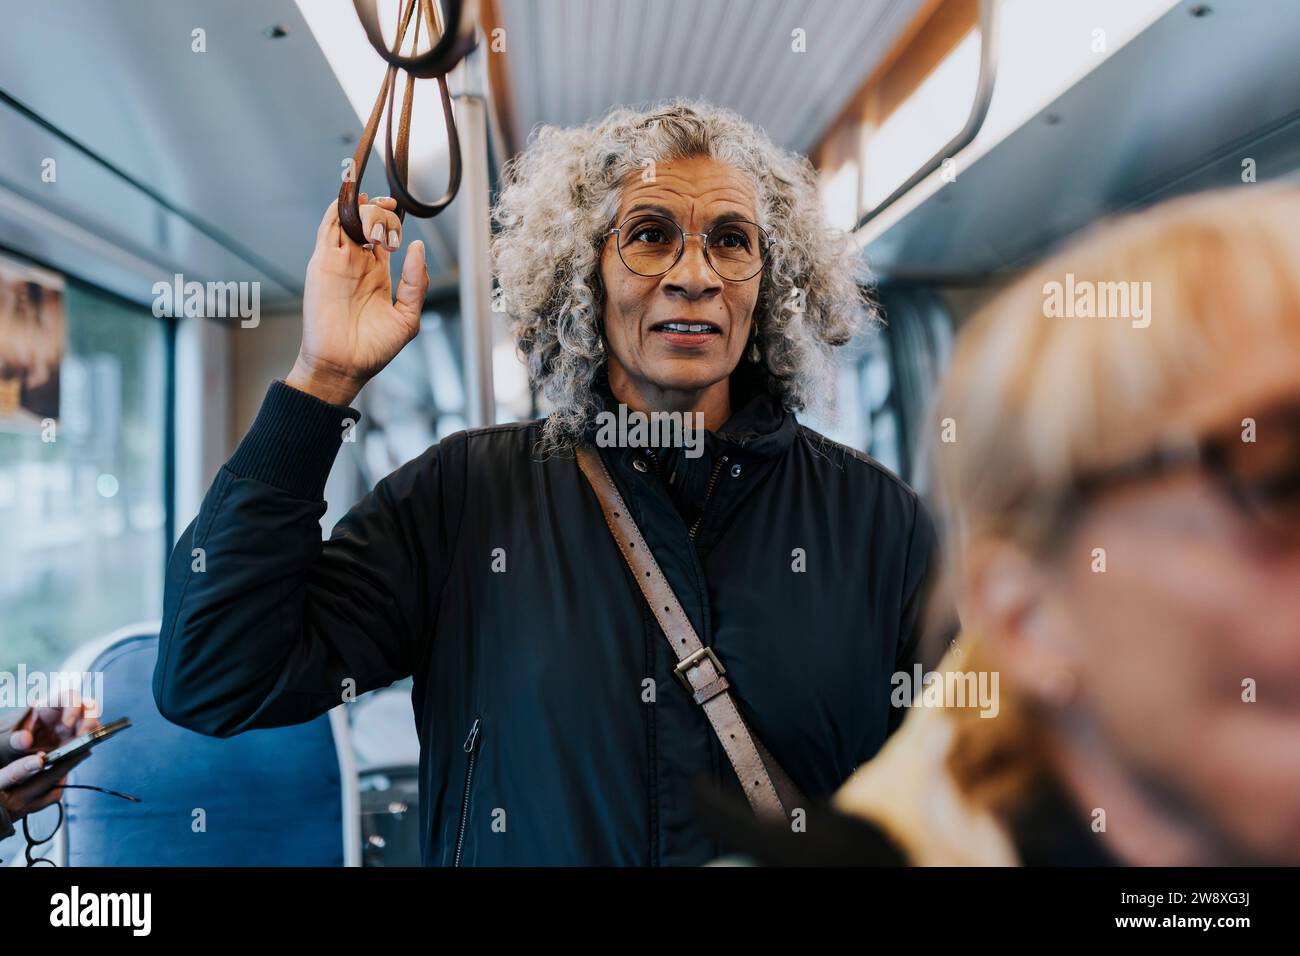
x: 988, y: 73
x: 226, y: 241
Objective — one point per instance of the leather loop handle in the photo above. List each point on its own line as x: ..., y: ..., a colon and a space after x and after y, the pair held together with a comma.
x: 767, y: 787
x: 396, y: 156
x: 457, y: 38
x: 349, y: 192
x: 396, y: 164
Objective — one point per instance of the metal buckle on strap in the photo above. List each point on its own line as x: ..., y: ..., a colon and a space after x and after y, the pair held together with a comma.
x: 693, y: 660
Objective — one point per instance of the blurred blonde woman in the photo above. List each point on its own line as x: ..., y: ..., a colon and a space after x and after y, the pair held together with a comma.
x: 1123, y: 500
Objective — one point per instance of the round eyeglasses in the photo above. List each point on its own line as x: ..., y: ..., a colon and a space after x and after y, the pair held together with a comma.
x: 735, y: 249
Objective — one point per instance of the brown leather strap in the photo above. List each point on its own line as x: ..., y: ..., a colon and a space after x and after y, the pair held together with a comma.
x: 767, y: 786
x: 455, y: 38
x: 452, y: 44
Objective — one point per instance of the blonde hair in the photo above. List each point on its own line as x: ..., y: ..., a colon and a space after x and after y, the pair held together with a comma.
x: 1036, y: 400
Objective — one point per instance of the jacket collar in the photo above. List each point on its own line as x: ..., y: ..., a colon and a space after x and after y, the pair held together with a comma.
x: 759, y: 424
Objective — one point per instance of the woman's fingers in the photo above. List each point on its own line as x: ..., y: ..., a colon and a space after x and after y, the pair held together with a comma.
x: 414, y: 283
x: 46, y: 788
x: 378, y: 218
x: 381, y: 225
x: 87, y: 724
x: 50, y: 726
x: 52, y: 792
x: 70, y: 716
x: 19, y: 770
x: 21, y: 741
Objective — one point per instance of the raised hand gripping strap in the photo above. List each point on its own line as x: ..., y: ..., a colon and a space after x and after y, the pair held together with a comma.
x: 453, y: 43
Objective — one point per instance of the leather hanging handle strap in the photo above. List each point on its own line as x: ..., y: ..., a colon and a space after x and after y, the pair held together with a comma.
x: 455, y: 38
x: 453, y: 43
x: 766, y: 785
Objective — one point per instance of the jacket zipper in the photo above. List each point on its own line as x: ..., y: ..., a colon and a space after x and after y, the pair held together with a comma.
x: 713, y: 479
x: 708, y: 493
x: 470, y: 747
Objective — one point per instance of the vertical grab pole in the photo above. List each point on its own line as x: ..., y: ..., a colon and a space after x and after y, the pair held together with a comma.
x: 472, y: 252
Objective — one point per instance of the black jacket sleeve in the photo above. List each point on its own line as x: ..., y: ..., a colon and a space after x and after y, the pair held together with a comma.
x: 922, y: 587
x: 263, y: 623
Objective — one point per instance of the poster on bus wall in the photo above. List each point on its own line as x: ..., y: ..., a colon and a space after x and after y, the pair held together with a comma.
x: 31, y: 345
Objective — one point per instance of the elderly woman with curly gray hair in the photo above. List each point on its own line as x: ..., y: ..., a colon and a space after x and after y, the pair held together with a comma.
x: 596, y: 624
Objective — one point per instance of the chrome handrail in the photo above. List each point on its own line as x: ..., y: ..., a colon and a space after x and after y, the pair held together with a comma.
x: 988, y: 73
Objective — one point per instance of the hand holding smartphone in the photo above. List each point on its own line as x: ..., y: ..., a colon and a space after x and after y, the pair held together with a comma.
x: 59, y: 758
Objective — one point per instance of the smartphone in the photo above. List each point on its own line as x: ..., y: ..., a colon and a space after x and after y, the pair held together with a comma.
x: 59, y: 757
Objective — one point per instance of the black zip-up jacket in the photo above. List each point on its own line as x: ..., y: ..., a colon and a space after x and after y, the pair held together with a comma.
x: 551, y: 728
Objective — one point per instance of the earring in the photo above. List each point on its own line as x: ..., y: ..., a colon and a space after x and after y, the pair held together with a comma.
x: 753, y: 354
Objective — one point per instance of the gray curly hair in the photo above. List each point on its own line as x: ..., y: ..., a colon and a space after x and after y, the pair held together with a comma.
x: 561, y: 194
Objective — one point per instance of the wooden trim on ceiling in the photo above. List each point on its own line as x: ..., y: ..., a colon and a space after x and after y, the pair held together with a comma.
x: 933, y: 33
x: 498, y: 75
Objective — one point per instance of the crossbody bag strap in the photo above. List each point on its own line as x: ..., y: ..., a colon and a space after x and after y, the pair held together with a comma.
x: 766, y: 785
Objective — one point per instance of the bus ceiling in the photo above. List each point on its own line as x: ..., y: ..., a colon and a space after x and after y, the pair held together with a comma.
x: 1202, y: 95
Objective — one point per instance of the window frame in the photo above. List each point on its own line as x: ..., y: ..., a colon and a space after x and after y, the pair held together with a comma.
x: 170, y: 325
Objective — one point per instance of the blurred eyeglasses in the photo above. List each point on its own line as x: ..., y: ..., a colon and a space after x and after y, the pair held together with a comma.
x: 1259, y: 478
x: 736, y: 249
x: 36, y: 842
